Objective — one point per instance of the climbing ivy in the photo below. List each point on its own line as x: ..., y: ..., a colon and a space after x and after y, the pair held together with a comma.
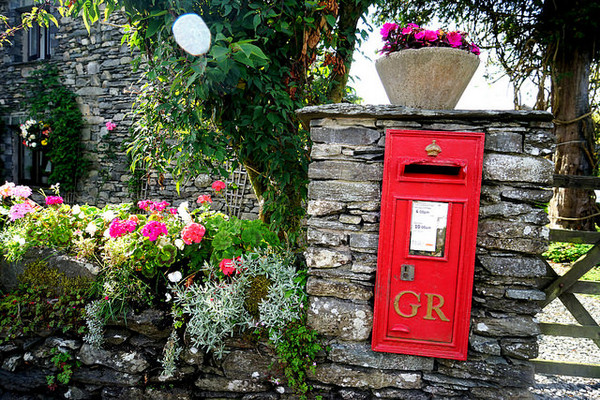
x: 51, y: 101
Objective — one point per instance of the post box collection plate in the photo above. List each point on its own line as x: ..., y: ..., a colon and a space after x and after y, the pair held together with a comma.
x: 427, y: 239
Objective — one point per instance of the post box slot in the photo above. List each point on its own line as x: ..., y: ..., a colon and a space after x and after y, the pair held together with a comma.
x: 429, y: 169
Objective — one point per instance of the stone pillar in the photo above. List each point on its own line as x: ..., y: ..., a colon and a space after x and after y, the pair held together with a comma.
x: 343, y: 232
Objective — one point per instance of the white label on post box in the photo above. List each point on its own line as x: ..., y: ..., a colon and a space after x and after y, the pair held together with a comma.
x: 428, y: 222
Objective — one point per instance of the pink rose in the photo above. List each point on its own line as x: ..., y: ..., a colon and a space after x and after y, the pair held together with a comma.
x: 455, y: 39
x: 218, y: 186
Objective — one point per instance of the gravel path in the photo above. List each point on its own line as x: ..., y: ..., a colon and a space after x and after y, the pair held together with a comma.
x: 568, y: 350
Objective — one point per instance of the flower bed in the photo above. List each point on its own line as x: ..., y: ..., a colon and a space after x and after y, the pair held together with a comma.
x: 216, y: 275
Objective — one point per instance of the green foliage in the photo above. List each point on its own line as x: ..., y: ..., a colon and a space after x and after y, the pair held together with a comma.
x: 65, y: 363
x: 297, y: 351
x: 45, y: 300
x: 49, y: 100
x: 560, y: 252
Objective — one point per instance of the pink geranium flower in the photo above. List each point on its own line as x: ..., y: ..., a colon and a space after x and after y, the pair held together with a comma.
x: 218, y: 186
x: 192, y: 233
x: 7, y: 189
x: 19, y: 210
x: 110, y: 125
x: 52, y: 200
x: 204, y: 199
x: 455, y: 39
x: 227, y: 266
x: 118, y: 227
x: 153, y: 229
x: 21, y: 191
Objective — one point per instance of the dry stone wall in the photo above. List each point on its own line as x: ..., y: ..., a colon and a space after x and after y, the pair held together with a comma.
x: 343, y: 232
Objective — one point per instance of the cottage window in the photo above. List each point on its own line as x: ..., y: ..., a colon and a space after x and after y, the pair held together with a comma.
x: 38, y: 43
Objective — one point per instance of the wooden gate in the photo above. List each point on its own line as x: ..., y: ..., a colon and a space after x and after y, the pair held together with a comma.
x: 566, y: 286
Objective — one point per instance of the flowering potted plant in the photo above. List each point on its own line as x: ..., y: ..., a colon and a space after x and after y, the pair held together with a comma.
x: 424, y: 68
x: 35, y: 134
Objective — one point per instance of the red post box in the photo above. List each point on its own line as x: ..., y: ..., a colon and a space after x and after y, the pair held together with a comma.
x: 427, y: 238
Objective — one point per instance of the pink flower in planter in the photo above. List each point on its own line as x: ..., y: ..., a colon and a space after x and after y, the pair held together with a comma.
x: 426, y: 35
x: 227, y: 266
x: 386, y: 28
x: 474, y: 49
x: 153, y: 229
x: 192, y: 233
x: 52, y: 200
x: 218, y: 186
x: 455, y: 39
x: 409, y: 28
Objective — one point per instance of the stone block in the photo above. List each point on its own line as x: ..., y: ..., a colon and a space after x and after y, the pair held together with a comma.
x: 524, y: 349
x: 491, y: 369
x: 364, y: 240
x: 246, y: 364
x: 360, y: 354
x: 525, y: 294
x: 519, y: 325
x: 342, y: 319
x: 321, y: 151
x: 220, y: 384
x: 517, y: 168
x: 343, y: 376
x: 350, y: 219
x: 338, y: 288
x: 317, y: 257
x: 344, y: 191
x: 501, y: 393
x: 512, y: 236
x: 504, y: 142
x: 515, y: 212
x: 485, y: 345
x: 528, y: 195
x: 128, y: 362
x: 318, y: 237
x: 345, y: 171
x: 320, y: 208
x: 351, y: 135
x: 504, y: 264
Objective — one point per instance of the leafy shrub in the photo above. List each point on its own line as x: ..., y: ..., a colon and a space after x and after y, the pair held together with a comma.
x: 561, y: 252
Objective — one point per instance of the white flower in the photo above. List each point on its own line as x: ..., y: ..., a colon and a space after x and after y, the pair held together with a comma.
x: 179, y: 244
x: 19, y: 239
x: 33, y: 144
x: 76, y: 210
x: 182, y: 210
x: 31, y: 137
x: 280, y: 389
x: 175, y: 276
x: 162, y: 241
x: 108, y: 215
x: 91, y: 228
x: 106, y: 234
x: 168, y: 297
x: 255, y: 375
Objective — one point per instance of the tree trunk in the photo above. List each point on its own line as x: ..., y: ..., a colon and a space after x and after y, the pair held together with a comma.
x: 572, y: 208
x: 350, y: 12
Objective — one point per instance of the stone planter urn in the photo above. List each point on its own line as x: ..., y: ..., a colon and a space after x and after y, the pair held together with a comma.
x: 430, y: 78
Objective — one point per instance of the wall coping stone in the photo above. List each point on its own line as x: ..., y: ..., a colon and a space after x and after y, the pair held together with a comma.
x: 345, y: 110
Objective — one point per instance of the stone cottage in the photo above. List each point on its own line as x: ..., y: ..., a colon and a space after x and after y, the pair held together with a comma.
x: 97, y: 67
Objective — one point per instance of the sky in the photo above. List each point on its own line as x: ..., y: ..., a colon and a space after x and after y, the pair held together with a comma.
x: 479, y: 95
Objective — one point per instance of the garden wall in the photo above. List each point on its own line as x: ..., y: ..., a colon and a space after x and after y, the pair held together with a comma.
x: 344, y: 203
x: 342, y: 229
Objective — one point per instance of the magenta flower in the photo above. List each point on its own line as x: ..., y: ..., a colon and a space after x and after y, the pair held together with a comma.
x: 160, y: 207
x: 110, y: 125
x: 19, y: 210
x: 474, y: 49
x: 227, y: 266
x: 426, y: 35
x: 118, y: 227
x: 386, y: 28
x: 52, y: 200
x: 153, y: 229
x: 455, y: 39
x: 409, y: 28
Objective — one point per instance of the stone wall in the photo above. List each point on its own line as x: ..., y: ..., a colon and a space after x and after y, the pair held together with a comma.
x: 97, y: 67
x: 344, y: 202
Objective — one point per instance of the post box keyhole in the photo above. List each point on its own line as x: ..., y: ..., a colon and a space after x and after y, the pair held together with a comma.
x: 407, y: 272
